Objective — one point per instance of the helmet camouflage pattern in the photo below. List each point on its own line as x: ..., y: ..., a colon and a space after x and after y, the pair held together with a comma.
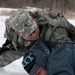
x: 22, y: 23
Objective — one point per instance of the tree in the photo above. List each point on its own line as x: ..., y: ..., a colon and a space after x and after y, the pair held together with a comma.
x: 56, y: 3
x: 51, y: 3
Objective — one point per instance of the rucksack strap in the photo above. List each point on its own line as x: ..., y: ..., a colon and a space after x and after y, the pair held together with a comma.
x: 48, y: 34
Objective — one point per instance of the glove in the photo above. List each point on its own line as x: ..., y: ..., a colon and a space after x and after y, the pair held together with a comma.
x: 6, y: 46
x: 41, y: 71
x: 3, y: 50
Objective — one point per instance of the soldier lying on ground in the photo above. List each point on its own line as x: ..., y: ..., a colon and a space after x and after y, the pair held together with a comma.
x: 47, y: 44
x: 54, y: 52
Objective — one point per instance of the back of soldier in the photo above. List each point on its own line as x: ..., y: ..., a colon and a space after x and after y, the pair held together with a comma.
x: 57, y: 38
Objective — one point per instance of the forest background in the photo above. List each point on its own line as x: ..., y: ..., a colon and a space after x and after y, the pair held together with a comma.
x: 66, y: 7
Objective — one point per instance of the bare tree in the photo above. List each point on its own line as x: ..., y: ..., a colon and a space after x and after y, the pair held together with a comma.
x: 1, y: 0
x: 56, y: 3
x: 42, y: 4
x: 62, y: 6
x: 65, y: 5
x: 51, y: 3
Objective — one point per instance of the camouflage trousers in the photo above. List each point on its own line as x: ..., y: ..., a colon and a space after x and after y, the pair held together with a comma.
x: 10, y: 56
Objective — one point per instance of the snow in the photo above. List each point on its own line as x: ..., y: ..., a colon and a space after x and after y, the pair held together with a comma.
x: 2, y: 29
x: 15, y: 68
x: 72, y: 21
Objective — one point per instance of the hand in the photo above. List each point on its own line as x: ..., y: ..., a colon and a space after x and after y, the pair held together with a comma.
x: 41, y: 71
x: 2, y: 50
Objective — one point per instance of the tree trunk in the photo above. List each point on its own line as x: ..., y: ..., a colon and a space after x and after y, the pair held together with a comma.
x: 51, y: 3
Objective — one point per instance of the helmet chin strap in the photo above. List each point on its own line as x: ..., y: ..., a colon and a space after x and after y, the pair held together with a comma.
x: 15, y: 45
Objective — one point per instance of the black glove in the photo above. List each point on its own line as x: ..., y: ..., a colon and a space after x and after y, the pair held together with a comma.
x: 6, y: 43
x: 3, y: 50
x: 6, y: 46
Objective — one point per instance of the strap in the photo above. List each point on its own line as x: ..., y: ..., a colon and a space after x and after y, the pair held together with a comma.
x: 48, y: 34
x: 50, y: 44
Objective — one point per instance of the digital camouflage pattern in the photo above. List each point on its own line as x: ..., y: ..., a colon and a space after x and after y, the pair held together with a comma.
x: 9, y: 56
x: 22, y: 23
x: 60, y: 35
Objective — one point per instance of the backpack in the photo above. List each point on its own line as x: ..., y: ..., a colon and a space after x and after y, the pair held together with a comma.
x: 51, y: 20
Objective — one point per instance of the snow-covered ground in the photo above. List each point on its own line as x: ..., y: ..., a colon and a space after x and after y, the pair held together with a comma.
x: 15, y: 68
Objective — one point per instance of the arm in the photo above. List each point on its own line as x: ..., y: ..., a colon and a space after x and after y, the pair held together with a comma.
x: 36, y: 64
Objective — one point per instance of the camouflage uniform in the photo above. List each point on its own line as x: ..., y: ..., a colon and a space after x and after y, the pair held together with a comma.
x: 18, y: 27
x: 59, y: 36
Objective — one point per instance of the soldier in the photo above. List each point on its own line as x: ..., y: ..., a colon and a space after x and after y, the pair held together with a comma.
x: 54, y: 52
x: 45, y: 39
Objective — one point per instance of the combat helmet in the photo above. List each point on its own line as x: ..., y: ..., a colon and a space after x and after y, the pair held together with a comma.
x: 21, y: 24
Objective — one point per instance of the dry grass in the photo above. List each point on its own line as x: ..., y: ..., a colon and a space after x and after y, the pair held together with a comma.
x: 68, y: 14
x: 7, y: 13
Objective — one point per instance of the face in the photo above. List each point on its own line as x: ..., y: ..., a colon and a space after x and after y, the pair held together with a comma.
x: 30, y: 39
x: 34, y: 35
